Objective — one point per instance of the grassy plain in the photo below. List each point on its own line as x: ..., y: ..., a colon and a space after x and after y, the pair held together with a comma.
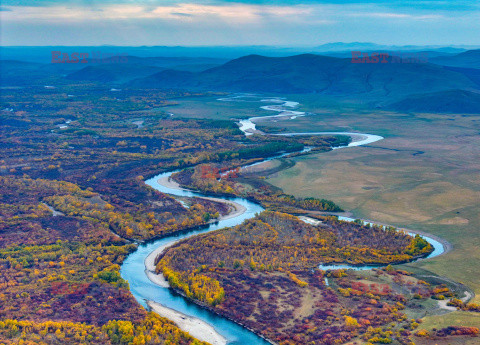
x: 209, y: 107
x: 424, y: 175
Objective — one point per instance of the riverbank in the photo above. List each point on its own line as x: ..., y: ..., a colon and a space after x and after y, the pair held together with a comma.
x: 195, y: 327
x: 150, y: 267
x: 447, y: 246
x: 236, y: 208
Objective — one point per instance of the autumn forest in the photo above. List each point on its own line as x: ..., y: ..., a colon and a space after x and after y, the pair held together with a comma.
x: 74, y: 204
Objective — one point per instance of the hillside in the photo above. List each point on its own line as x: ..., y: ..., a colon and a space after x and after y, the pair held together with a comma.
x: 139, y: 67
x: 106, y: 73
x: 451, y: 101
x: 24, y: 72
x: 468, y: 59
x: 310, y: 73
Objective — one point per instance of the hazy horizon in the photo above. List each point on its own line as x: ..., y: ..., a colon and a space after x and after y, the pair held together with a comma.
x: 382, y: 45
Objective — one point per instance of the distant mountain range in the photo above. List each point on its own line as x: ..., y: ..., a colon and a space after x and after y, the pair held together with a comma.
x: 368, y: 46
x: 445, y: 83
x: 42, y: 54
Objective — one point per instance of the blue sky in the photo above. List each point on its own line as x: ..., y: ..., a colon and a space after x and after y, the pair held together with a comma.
x: 247, y: 22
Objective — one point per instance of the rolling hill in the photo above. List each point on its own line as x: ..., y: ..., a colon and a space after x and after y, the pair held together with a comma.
x: 139, y: 67
x: 21, y: 73
x: 450, y: 101
x: 309, y: 73
x: 107, y: 73
x: 468, y: 59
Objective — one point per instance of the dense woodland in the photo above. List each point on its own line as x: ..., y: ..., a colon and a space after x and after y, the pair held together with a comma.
x: 152, y: 330
x: 90, y: 140
x: 264, y: 274
x: 275, y: 241
x: 72, y: 199
x: 73, y: 202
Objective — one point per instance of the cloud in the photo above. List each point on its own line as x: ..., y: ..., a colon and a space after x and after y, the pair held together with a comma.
x: 215, y: 22
x: 182, y: 14
x: 240, y: 13
x: 417, y: 4
x: 390, y: 15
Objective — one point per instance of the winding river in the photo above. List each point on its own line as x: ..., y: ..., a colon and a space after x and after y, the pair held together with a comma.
x: 134, y: 270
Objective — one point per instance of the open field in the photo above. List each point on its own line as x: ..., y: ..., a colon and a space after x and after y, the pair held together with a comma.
x: 208, y: 107
x: 456, y: 318
x: 424, y: 175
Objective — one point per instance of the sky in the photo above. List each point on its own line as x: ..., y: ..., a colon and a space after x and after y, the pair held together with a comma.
x: 243, y: 22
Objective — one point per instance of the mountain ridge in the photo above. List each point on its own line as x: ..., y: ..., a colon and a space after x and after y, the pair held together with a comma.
x: 312, y: 73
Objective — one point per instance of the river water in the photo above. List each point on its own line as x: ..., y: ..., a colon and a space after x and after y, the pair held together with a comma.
x: 133, y: 268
